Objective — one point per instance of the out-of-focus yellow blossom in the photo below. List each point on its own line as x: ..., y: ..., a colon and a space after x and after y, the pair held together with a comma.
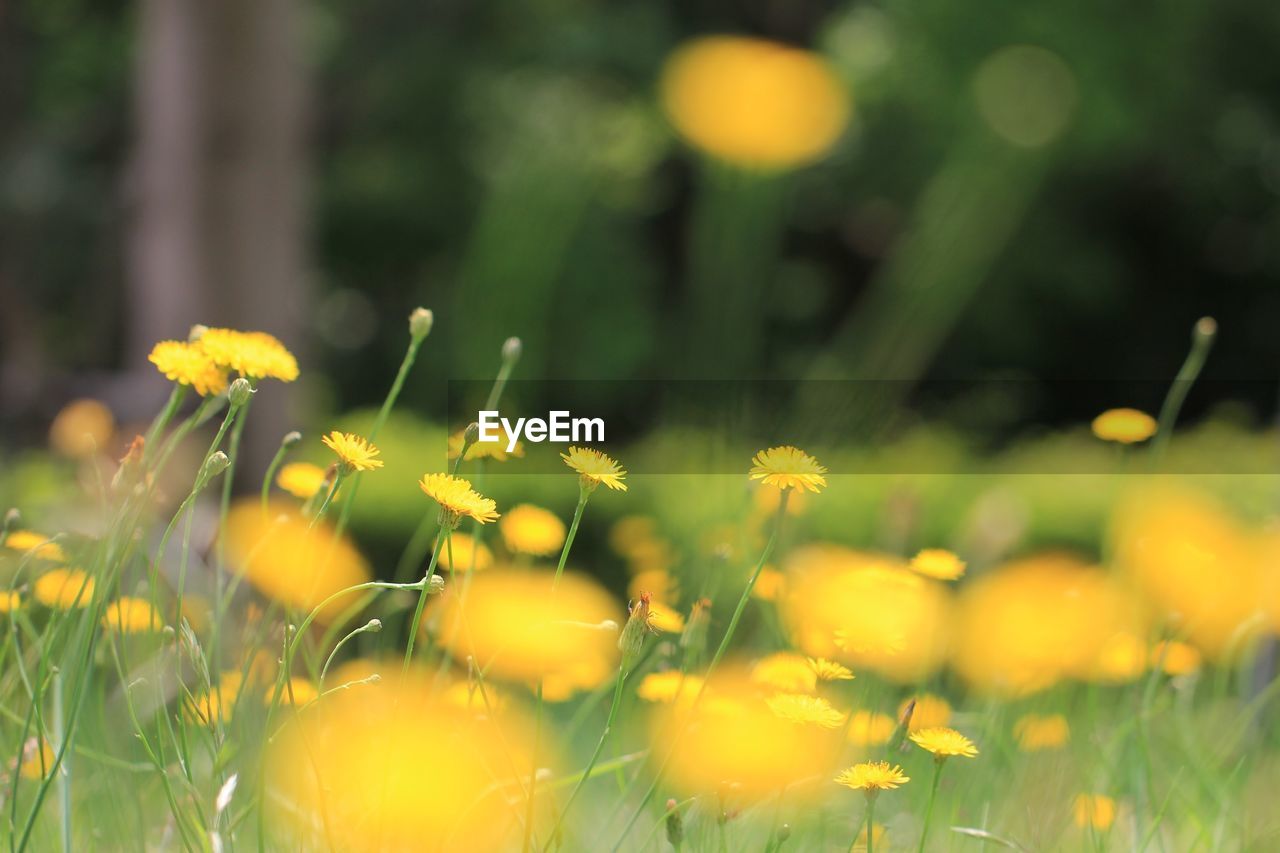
x: 214, y: 705
x: 457, y: 499
x: 829, y: 670
x: 785, y: 671
x: 518, y: 631
x: 1197, y: 565
x: 467, y: 552
x: 806, y: 710
x: 529, y: 529
x: 939, y: 564
x: 354, y: 452
x: 290, y: 561
x: 631, y: 533
x: 788, y: 467
x: 1124, y: 426
x: 63, y: 589
x: 254, y: 355
x: 944, y: 742
x: 868, y: 728
x: 297, y: 691
x: 302, y: 479
x: 1176, y: 658
x: 1122, y: 658
x: 873, y: 776
x: 189, y: 364
x: 767, y: 497
x: 664, y: 618
x: 930, y: 711
x: 82, y: 428
x: 1094, y: 810
x: 9, y: 601
x: 659, y: 583
x: 668, y: 686
x: 1035, y: 733
x: 752, y: 102
x: 595, y: 468
x: 386, y: 780
x: 879, y: 835
x: 37, y: 759
x: 131, y: 616
x: 886, y: 617
x: 495, y: 450
x: 770, y: 585
x: 27, y: 540
x: 1029, y: 624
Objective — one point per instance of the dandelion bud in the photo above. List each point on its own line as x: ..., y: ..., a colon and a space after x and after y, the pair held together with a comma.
x: 197, y: 332
x: 213, y: 466
x: 694, y: 637
x: 239, y: 392
x: 420, y: 323
x: 471, y: 434
x: 1206, y: 328
x: 373, y: 626
x: 511, y: 349
x: 435, y: 585
x: 11, y: 519
x: 631, y: 641
x: 784, y: 833
x: 373, y: 679
x: 291, y: 438
x: 675, y: 825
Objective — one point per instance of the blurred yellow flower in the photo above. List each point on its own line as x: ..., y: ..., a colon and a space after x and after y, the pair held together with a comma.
x: 297, y: 691
x: 457, y: 499
x: 9, y: 601
x: 63, y: 589
x: 1176, y: 658
x: 944, y: 742
x: 668, y: 685
x: 664, y: 618
x: 930, y: 711
x: 82, y: 428
x: 467, y: 553
x: 872, y: 777
x: 189, y: 364
x: 29, y: 540
x: 594, y: 468
x: 301, y: 479
x: 1094, y: 810
x: 785, y: 671
x: 770, y: 585
x: 1121, y: 658
x: 788, y: 468
x: 495, y: 450
x: 1035, y: 732
x: 354, y: 452
x: 130, y: 615
x: 879, y: 835
x: 753, y: 102
x: 473, y: 698
x: 37, y: 759
x: 938, y: 563
x: 254, y: 355
x: 829, y: 670
x: 290, y: 561
x: 529, y: 529
x: 804, y: 709
x: 1125, y: 426
x: 659, y: 583
x: 215, y: 705
x: 868, y: 728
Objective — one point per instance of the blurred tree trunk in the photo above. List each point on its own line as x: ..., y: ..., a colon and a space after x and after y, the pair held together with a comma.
x: 219, y: 168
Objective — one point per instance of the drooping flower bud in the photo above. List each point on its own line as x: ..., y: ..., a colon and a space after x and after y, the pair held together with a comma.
x: 511, y: 349
x: 420, y: 323
x: 675, y: 825
x: 291, y: 438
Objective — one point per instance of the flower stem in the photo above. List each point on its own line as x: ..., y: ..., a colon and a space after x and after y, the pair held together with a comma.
x: 1201, y: 342
x: 871, y: 824
x: 422, y: 598
x: 928, y: 811
x: 583, y: 496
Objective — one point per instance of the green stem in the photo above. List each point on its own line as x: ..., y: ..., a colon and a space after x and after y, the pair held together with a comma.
x: 422, y: 598
x: 928, y: 811
x: 583, y: 496
x: 871, y: 823
x: 1201, y: 342
x: 276, y: 460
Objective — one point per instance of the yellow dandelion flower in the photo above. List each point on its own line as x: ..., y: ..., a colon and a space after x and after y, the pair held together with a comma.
x: 189, y: 364
x: 930, y: 711
x: 829, y: 670
x: 354, y: 452
x: 663, y: 618
x: 631, y: 534
x: 873, y: 776
x: 1176, y: 658
x: 594, y: 468
x: 457, y: 498
x: 82, y: 428
x: 29, y: 540
x: 467, y: 552
x: 529, y: 529
x: 298, y: 691
x: 254, y: 355
x: 669, y: 686
x: 868, y: 728
x: 804, y: 709
x: 495, y: 450
x: 131, y: 616
x: 939, y: 564
x: 302, y: 479
x: 37, y: 759
x: 1121, y: 657
x: 753, y: 102
x: 788, y: 468
x: 1125, y: 426
x: 9, y: 601
x: 1035, y: 733
x: 786, y: 672
x: 659, y: 583
x: 1094, y: 810
x: 216, y: 703
x: 944, y: 742
x: 472, y: 698
x: 64, y: 589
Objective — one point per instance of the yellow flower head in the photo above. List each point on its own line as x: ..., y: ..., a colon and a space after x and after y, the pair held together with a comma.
x: 873, y: 777
x: 938, y: 563
x: 37, y: 759
x: 29, y: 540
x: 495, y: 450
x: 868, y: 728
x: 467, y: 553
x: 457, y: 498
x: 1095, y: 810
x: 944, y: 742
x: 804, y: 709
x: 1035, y: 733
x: 301, y: 479
x: 594, y: 468
x: 9, y: 601
x: 354, y: 452
x: 1125, y: 426
x: 753, y: 102
x: 930, y: 712
x: 786, y: 672
x: 664, y: 618
x: 788, y: 468
x: 529, y: 529
x: 1176, y: 658
x: 298, y: 691
x: 131, y: 616
x: 189, y: 364
x: 254, y: 355
x: 769, y: 585
x: 64, y: 589
x: 82, y: 428
x: 669, y: 686
x: 829, y: 670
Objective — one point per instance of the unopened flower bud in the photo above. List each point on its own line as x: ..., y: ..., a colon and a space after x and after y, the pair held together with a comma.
x: 373, y: 626
x: 239, y: 392
x: 291, y: 438
x: 638, y: 627
x: 675, y: 825
x: 694, y: 637
x: 511, y: 349
x: 784, y: 833
x: 197, y: 332
x: 435, y: 585
x: 214, y: 465
x: 11, y: 519
x: 1206, y: 327
x: 420, y: 323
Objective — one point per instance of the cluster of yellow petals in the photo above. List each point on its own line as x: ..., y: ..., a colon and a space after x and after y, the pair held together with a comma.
x: 788, y: 467
x: 873, y: 776
x: 457, y: 499
x: 188, y: 364
x: 354, y: 452
x: 529, y: 529
x: 254, y: 355
x: 595, y: 468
